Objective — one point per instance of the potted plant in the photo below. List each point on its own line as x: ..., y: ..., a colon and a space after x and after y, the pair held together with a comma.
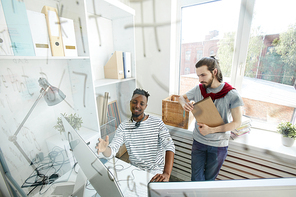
x: 288, y: 131
x: 74, y: 120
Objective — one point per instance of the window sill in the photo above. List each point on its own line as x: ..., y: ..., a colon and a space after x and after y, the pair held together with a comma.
x: 261, y: 141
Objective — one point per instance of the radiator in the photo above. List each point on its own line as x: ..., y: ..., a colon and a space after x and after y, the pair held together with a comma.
x: 242, y: 162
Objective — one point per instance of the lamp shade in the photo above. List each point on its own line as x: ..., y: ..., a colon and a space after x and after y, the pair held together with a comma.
x: 52, y: 94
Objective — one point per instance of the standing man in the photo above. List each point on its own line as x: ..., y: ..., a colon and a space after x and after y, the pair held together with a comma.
x: 210, y: 144
x: 145, y: 137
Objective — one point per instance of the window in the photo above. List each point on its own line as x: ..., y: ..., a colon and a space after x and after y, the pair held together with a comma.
x: 263, y: 70
x: 212, y: 53
x: 209, y: 35
x: 198, y: 55
x: 187, y: 55
x: 187, y: 71
x: 270, y: 49
x: 269, y: 71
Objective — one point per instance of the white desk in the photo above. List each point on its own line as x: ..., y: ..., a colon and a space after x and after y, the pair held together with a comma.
x: 132, y: 181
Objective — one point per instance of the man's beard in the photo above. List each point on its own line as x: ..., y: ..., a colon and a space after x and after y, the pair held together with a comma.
x: 209, y: 83
x: 136, y: 115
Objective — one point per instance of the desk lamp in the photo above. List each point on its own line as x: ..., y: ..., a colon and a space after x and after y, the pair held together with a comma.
x: 52, y: 96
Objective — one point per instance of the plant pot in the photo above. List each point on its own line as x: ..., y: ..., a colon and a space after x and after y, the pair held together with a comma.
x: 287, y: 141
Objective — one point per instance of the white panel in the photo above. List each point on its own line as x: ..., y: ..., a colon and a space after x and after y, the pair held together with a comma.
x: 124, y: 38
x: 110, y: 9
x: 100, y: 52
x: 182, y: 144
x: 259, y: 165
x: 181, y: 174
x: 153, y: 52
x: 267, y: 162
x: 183, y: 164
x: 69, y: 37
x: 39, y: 33
x: 19, y: 89
x: 83, y: 93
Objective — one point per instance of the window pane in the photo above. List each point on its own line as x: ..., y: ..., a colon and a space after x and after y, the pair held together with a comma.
x: 267, y: 90
x: 207, y: 29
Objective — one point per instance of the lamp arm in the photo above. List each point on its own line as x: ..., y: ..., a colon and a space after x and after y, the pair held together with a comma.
x: 13, y: 138
x: 24, y: 154
x: 28, y: 114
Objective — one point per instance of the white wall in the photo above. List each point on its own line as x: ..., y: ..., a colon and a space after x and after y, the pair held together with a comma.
x: 153, y: 70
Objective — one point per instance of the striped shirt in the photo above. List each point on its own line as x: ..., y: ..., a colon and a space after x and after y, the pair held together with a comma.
x: 146, y: 144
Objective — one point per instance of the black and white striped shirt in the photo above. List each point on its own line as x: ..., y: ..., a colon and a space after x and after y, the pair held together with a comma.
x: 146, y: 144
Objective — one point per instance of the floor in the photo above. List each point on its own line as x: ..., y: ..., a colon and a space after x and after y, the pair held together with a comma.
x: 125, y: 158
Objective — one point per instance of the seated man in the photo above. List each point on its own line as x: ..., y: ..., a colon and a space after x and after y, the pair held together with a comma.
x: 145, y: 138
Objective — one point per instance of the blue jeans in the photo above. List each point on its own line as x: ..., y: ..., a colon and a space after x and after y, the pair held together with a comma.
x: 206, y: 161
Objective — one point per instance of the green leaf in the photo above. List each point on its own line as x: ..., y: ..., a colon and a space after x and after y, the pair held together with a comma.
x: 287, y: 129
x: 74, y: 120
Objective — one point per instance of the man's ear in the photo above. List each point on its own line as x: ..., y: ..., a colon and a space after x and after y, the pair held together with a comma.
x: 215, y: 71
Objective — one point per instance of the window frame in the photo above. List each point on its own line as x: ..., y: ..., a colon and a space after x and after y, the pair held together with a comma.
x: 242, y: 38
x: 241, y: 42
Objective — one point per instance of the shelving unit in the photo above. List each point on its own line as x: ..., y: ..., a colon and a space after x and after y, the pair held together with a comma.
x: 104, y: 82
x: 110, y: 9
x: 81, y: 78
x: 111, y: 29
x: 42, y: 58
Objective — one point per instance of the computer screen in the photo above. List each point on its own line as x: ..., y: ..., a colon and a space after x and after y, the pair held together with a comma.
x: 98, y: 175
x: 225, y: 188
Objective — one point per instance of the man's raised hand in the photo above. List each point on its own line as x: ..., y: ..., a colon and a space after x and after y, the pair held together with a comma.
x: 102, y: 144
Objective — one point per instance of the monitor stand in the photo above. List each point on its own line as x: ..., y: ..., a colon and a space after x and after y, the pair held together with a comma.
x: 79, y: 184
x: 69, y: 189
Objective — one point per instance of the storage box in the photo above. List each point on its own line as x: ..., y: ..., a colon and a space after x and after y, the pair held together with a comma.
x: 114, y: 67
x: 173, y: 114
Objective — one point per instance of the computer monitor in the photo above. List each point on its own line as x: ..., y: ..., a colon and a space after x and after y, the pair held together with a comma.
x: 225, y: 188
x: 102, y: 180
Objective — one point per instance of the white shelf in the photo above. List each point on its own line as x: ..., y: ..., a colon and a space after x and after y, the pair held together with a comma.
x: 87, y: 133
x: 111, y: 9
x: 43, y: 58
x: 103, y: 82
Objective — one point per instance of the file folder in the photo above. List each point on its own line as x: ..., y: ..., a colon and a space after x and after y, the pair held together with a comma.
x: 114, y: 67
x: 5, y: 42
x: 127, y: 64
x: 206, y: 112
x: 39, y: 33
x: 54, y: 30
x: 18, y: 27
x: 68, y: 35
